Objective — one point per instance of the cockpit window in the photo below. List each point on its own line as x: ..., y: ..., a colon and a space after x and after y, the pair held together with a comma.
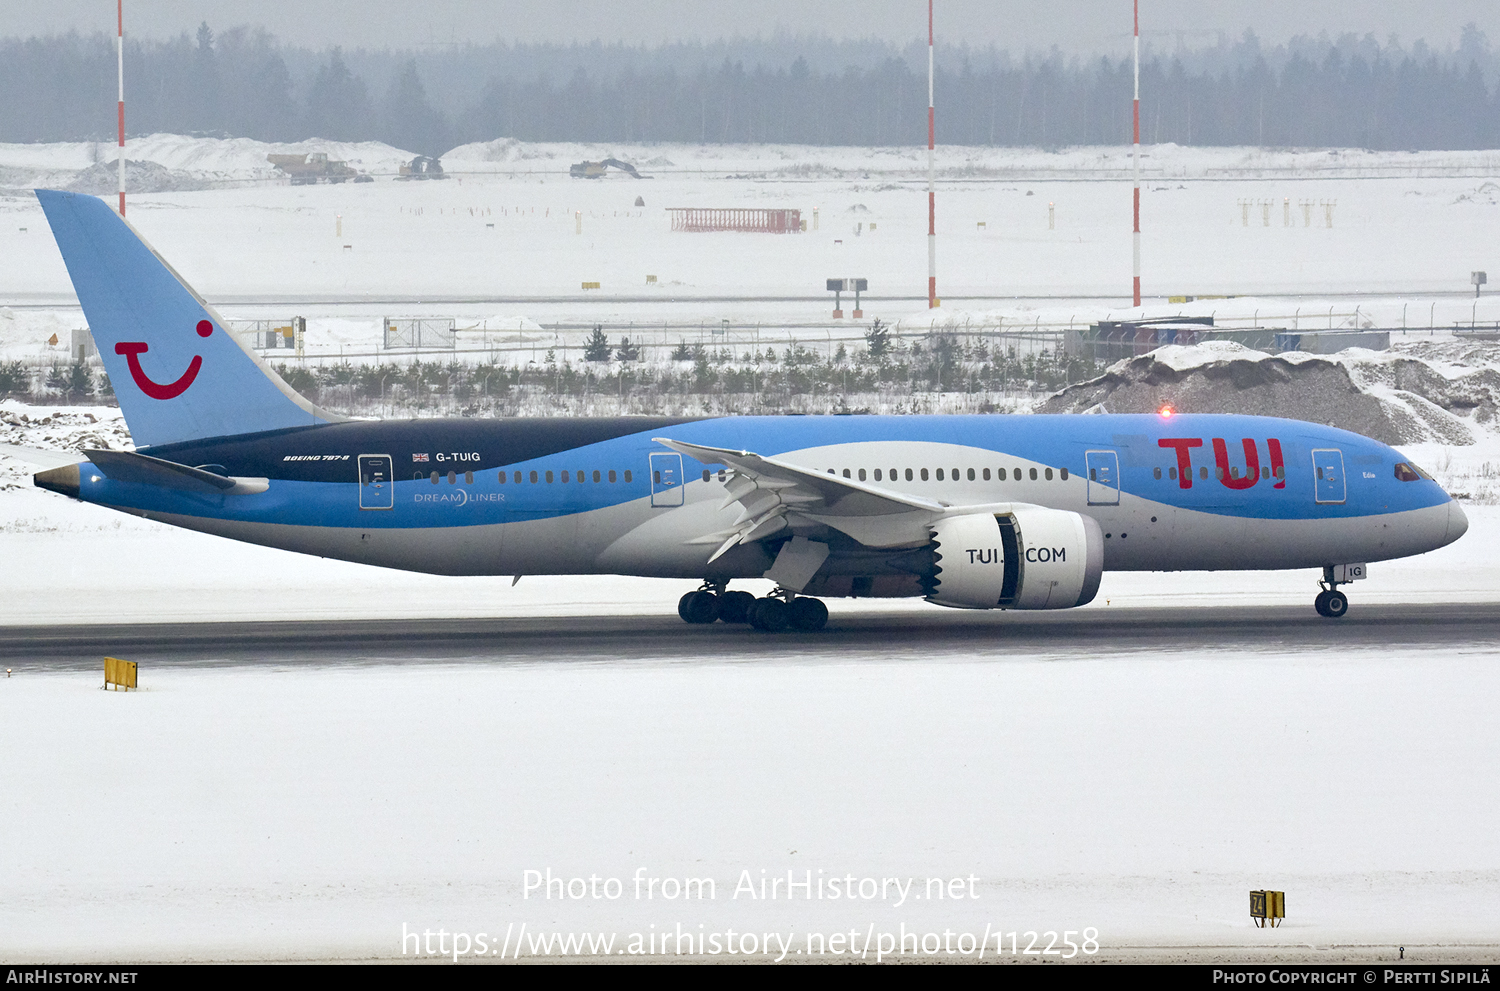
x: 1405, y: 473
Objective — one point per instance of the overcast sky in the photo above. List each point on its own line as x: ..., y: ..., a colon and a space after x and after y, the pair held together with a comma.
x: 1073, y: 25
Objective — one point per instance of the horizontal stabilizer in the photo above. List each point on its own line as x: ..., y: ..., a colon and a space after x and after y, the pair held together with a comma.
x: 122, y: 466
x: 40, y: 458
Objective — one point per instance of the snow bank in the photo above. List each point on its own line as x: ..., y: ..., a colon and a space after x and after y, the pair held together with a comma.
x: 1417, y: 392
x: 175, y: 162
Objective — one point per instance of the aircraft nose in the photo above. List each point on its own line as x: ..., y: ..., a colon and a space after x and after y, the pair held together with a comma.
x: 1458, y: 523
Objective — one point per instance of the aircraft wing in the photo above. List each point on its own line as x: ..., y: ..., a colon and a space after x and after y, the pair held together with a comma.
x: 772, y: 494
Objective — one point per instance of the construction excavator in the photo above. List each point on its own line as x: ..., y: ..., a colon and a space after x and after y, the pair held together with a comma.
x: 595, y: 170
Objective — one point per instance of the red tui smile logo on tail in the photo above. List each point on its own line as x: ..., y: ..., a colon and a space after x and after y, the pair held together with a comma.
x: 130, y: 349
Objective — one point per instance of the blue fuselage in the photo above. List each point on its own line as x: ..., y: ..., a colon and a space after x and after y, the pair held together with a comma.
x: 462, y: 496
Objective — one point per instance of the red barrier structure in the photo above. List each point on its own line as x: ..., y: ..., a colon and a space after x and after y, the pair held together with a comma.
x: 733, y: 219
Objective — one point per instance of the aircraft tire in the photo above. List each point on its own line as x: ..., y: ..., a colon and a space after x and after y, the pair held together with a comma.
x: 1336, y: 605
x: 734, y: 607
x: 1321, y: 603
x: 699, y: 607
x: 771, y: 615
x: 808, y: 614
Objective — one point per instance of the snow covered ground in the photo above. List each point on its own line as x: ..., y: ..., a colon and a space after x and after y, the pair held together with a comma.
x: 268, y: 811
x: 276, y: 812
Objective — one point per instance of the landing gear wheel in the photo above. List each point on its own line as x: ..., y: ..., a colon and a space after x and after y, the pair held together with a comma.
x: 1321, y: 603
x: 771, y: 615
x: 698, y: 607
x: 1336, y: 604
x: 808, y: 614
x: 734, y: 607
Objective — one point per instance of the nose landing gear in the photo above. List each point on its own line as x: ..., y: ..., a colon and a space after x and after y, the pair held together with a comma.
x: 1330, y: 603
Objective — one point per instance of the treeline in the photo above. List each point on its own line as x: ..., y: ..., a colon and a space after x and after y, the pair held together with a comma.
x: 1349, y: 91
x: 885, y: 374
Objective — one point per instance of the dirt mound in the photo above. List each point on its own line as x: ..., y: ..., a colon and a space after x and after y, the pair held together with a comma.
x: 1397, y: 397
x: 140, y: 177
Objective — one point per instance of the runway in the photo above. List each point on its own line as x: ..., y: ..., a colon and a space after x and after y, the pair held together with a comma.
x: 903, y: 636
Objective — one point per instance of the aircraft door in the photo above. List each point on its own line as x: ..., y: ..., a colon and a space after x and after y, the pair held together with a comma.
x: 666, y: 480
x: 1328, y: 475
x: 1104, y: 477
x: 376, y: 488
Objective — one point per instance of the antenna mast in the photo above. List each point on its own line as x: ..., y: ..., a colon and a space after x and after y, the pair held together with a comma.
x: 932, y: 297
x: 120, y: 65
x: 1136, y: 115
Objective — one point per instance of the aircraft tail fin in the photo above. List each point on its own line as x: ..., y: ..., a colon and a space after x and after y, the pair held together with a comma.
x: 177, y: 370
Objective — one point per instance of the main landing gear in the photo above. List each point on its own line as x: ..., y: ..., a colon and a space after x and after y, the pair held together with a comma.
x: 781, y: 610
x: 1330, y: 602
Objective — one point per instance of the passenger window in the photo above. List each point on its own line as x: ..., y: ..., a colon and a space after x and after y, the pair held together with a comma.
x: 1156, y: 473
x: 1202, y: 474
x: 986, y: 474
x: 611, y: 475
x: 924, y: 474
x: 580, y: 476
x: 627, y: 475
x: 830, y: 471
x: 846, y: 472
x: 502, y: 478
x: 955, y: 475
x: 939, y: 474
x: 861, y: 474
x: 1172, y: 474
x: 1234, y: 472
x: 596, y: 476
x: 453, y: 478
x: 971, y: 474
x: 434, y: 478
x: 1017, y: 473
x: 1049, y: 474
x: 1033, y: 474
x: 655, y: 477
x: 549, y: 478
x: 1320, y: 474
x: 565, y: 477
x: 1281, y: 472
x: 517, y: 479
x: 1063, y: 473
x: 877, y: 474
x: 533, y: 478
x: 908, y: 474
x: 468, y: 478
x: 1000, y: 474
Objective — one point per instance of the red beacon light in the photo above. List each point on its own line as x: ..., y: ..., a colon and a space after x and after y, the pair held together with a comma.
x: 1167, y: 412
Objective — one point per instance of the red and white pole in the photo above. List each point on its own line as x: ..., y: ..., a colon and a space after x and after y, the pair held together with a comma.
x: 932, y: 296
x: 120, y: 66
x: 1136, y: 115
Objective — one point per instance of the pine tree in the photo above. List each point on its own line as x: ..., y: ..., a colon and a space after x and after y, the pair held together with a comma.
x: 597, y: 347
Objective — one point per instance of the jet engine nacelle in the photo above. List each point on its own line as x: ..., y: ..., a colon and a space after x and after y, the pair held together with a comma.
x: 1028, y: 558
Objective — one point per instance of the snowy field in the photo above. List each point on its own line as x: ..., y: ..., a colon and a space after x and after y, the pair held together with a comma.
x: 272, y: 811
